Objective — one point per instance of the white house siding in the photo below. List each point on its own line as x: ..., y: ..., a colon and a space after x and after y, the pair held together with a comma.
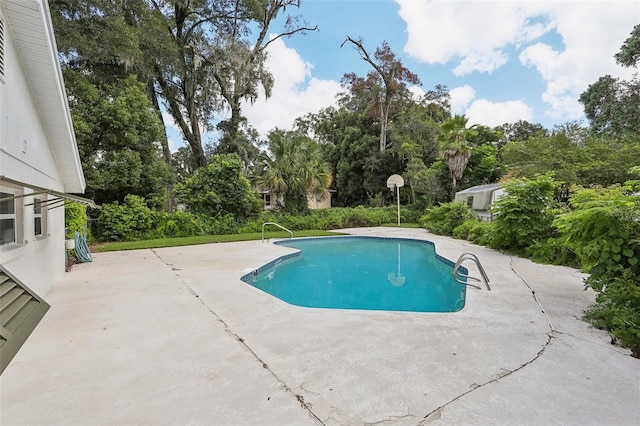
x: 26, y: 155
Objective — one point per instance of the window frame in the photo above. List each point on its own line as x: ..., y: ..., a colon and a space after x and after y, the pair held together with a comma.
x: 3, y: 50
x: 8, y: 216
x: 39, y: 212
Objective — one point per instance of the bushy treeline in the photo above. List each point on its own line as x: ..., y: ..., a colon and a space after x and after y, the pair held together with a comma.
x: 134, y: 220
x: 597, y: 231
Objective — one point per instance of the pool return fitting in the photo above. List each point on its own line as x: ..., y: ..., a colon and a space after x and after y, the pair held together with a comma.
x: 275, y: 224
x: 462, y: 278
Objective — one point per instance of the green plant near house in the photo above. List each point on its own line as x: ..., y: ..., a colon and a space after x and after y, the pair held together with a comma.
x: 127, y: 221
x: 442, y: 220
x: 524, y: 215
x: 604, y: 231
x: 75, y: 219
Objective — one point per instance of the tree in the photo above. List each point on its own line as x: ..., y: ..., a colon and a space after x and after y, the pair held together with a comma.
x: 454, y: 136
x: 347, y: 138
x: 293, y: 171
x: 107, y: 41
x: 221, y: 63
x: 483, y: 167
x: 543, y: 154
x: 220, y: 188
x: 613, y: 105
x: 629, y: 54
x: 238, y: 59
x: 196, y: 58
x: 521, y: 130
x: 387, y: 85
x: 599, y: 160
x: 118, y: 136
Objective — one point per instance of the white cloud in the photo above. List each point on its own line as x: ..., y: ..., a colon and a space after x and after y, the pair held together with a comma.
x: 494, y: 114
x: 417, y: 92
x: 460, y: 98
x: 592, y: 34
x: 477, y: 36
x: 485, y: 112
x: 294, y: 93
x: 474, y: 33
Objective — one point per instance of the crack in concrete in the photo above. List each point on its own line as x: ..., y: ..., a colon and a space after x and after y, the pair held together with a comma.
x: 300, y: 398
x: 389, y: 419
x: 533, y: 293
x: 505, y: 373
x: 437, y: 413
x: 609, y: 346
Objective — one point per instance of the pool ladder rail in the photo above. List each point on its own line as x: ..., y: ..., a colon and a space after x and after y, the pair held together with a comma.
x: 458, y: 276
x: 275, y: 224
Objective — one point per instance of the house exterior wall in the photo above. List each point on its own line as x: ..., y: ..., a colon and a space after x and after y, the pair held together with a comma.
x: 316, y: 203
x: 26, y: 156
x: 481, y: 198
x: 313, y: 202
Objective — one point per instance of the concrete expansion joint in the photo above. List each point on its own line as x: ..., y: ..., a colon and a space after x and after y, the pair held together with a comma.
x: 305, y: 405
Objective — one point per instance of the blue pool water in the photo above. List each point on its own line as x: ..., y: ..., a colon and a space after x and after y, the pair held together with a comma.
x: 371, y: 273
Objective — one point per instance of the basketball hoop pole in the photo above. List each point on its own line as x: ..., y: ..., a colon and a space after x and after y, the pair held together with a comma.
x: 396, y: 181
x: 398, y: 196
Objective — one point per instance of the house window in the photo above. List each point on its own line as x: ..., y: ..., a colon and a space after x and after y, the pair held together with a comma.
x: 38, y: 217
x: 7, y: 219
x: 470, y: 202
x: 267, y: 200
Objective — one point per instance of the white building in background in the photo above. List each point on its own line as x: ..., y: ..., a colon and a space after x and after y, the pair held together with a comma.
x: 481, y: 197
x: 39, y: 168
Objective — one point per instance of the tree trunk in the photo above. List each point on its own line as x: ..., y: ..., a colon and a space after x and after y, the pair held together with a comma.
x: 166, y: 151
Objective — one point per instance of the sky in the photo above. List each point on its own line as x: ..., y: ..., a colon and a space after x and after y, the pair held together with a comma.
x: 502, y: 61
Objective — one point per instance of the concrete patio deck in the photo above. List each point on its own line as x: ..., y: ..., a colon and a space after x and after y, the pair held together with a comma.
x: 173, y: 337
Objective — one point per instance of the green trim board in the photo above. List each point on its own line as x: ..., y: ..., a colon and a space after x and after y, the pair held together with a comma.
x: 20, y: 312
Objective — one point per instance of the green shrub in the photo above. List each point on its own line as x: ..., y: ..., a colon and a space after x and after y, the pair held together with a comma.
x: 479, y: 233
x: 462, y: 231
x: 358, y: 217
x: 129, y: 221
x: 604, y: 231
x: 178, y: 224
x: 524, y: 215
x: 442, y: 220
x: 553, y: 251
x: 75, y: 219
x: 618, y: 309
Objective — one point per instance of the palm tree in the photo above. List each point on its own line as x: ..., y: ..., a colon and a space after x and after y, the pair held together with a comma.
x: 456, y: 149
x: 293, y: 170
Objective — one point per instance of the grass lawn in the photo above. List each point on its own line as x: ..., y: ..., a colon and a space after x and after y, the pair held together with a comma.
x: 203, y: 239
x: 208, y: 239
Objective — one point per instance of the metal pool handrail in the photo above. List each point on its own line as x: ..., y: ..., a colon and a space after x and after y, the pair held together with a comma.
x: 275, y: 224
x: 457, y: 275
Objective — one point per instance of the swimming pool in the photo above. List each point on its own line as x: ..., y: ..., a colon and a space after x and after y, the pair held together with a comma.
x: 356, y: 272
